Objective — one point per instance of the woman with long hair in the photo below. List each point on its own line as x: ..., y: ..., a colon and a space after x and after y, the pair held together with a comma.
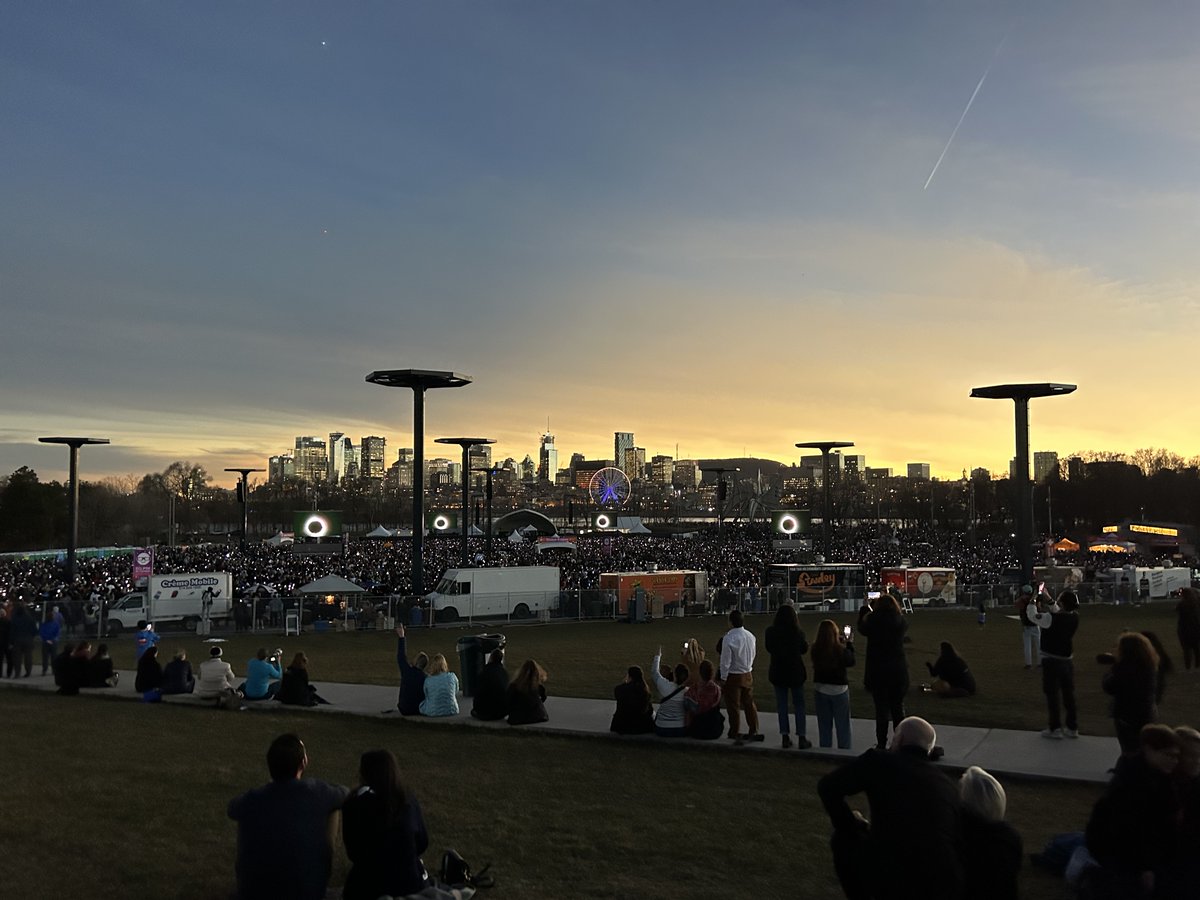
x: 527, y: 695
x: 149, y: 671
x: 692, y: 656
x: 787, y: 645
x: 952, y: 676
x: 832, y: 654
x: 384, y: 833
x: 1187, y: 626
x: 441, y: 689
x: 882, y: 623
x: 633, y: 714
x: 294, y: 688
x: 1132, y: 682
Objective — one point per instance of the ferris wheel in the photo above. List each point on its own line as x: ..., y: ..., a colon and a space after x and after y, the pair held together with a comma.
x: 609, y: 487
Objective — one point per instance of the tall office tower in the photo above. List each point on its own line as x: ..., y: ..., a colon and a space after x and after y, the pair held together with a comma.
x: 437, y: 472
x: 336, y: 457
x: 633, y: 463
x: 686, y: 474
x: 1012, y: 469
x: 878, y: 474
x: 373, y: 453
x: 311, y: 458
x: 919, y: 471
x: 280, y: 468
x: 662, y: 470
x: 353, y: 459
x: 480, y: 457
x: 547, y: 459
x: 854, y: 465
x: 405, y: 459
x: 622, y: 441
x: 528, y: 470
x: 1045, y: 464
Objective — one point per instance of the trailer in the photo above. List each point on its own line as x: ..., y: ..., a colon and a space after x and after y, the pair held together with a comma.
x: 664, y: 591
x: 817, y: 585
x: 922, y: 585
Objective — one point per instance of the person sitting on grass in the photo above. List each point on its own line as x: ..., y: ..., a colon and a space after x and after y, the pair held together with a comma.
x: 384, y: 833
x: 634, y: 713
x: 670, y: 720
x: 703, y: 704
x: 59, y: 663
x: 992, y: 848
x: 441, y: 689
x: 177, y: 675
x: 286, y: 828
x: 952, y: 677
x: 527, y: 695
x: 294, y: 687
x: 412, y: 677
x: 100, y: 669
x: 491, y: 693
x: 149, y: 672
x: 1132, y: 830
x: 262, y: 675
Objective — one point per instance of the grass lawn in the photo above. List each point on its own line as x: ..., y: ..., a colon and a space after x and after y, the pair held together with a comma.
x: 119, y: 799
x: 587, y: 659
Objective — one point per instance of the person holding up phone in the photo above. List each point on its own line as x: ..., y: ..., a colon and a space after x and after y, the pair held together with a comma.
x: 832, y: 655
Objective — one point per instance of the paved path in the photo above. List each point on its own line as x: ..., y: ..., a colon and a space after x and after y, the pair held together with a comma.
x: 1000, y: 751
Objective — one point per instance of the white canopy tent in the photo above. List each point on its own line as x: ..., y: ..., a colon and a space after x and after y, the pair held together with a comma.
x: 380, y: 532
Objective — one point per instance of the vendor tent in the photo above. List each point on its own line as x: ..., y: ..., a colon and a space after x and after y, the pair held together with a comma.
x: 332, y: 584
x: 1066, y: 545
x: 380, y: 532
x: 280, y: 537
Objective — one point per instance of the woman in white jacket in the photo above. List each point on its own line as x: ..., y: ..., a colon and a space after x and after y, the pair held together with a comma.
x: 216, y: 677
x: 670, y: 720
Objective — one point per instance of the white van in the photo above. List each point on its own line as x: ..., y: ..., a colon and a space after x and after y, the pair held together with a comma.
x: 519, y: 592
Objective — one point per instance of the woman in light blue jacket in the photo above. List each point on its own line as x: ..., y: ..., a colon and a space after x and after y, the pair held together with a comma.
x: 441, y: 689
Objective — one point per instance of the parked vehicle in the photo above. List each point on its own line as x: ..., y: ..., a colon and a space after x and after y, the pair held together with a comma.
x: 178, y: 598
x: 519, y: 592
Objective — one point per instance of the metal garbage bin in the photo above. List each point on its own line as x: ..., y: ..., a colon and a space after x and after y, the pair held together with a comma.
x: 472, y: 651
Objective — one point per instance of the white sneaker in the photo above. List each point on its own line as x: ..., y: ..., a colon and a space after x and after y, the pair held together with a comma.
x: 1071, y: 733
x: 1054, y: 734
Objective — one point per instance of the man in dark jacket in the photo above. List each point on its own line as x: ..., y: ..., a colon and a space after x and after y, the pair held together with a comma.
x: 491, y: 693
x: 412, y: 677
x: 1058, y: 622
x: 909, y: 849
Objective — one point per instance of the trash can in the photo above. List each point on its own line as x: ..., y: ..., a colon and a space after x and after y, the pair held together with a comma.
x: 416, y: 616
x: 472, y: 651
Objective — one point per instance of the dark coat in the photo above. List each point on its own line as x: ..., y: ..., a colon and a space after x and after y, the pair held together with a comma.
x: 385, y: 852
x: 491, y: 693
x: 992, y: 853
x: 149, y: 674
x: 1133, y: 691
x: 787, y: 648
x: 526, y: 708
x: 633, y: 714
x: 913, y: 843
x: 412, y: 683
x: 1133, y: 826
x: 886, y: 664
x: 178, y: 677
x: 294, y: 688
x: 954, y: 671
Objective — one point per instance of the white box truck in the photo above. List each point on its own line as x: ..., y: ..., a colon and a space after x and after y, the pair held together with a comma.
x: 177, y: 598
x: 520, y: 592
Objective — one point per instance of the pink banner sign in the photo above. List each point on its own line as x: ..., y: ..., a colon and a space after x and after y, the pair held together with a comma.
x: 143, y: 565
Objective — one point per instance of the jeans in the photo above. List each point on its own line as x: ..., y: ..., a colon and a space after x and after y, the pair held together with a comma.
x: 833, y: 710
x: 49, y: 649
x: 781, y: 706
x: 1058, y: 677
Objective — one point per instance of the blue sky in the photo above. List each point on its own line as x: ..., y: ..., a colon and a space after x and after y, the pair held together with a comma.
x: 701, y: 222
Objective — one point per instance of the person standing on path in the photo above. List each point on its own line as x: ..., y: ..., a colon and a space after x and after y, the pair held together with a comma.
x: 1187, y: 627
x: 787, y: 644
x: 1058, y: 623
x: 738, y: 649
x: 49, y: 631
x: 886, y: 675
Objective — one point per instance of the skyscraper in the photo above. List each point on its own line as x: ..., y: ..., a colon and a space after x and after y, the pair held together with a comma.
x: 280, y: 468
x: 1045, y: 463
x: 337, y: 457
x: 547, y: 459
x: 311, y: 458
x: 622, y: 441
x: 918, y: 471
x: 373, y: 452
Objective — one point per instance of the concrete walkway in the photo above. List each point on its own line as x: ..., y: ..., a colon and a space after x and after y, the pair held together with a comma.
x: 1000, y: 751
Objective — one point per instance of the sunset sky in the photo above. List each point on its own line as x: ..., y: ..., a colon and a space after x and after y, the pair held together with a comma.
x: 705, y: 223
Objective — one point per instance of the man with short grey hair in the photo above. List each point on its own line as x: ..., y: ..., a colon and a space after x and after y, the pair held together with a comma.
x: 909, y: 847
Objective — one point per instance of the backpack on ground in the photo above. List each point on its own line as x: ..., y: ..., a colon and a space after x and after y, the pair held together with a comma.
x: 456, y: 872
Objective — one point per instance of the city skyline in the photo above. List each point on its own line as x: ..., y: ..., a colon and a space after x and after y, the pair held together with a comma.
x: 724, y: 228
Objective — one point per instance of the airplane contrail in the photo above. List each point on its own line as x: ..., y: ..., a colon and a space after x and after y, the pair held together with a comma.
x: 966, y: 109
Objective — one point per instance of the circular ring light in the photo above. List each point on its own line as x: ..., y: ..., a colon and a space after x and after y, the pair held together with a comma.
x: 317, y: 525
x: 789, y: 524
x: 441, y: 522
x: 603, y: 521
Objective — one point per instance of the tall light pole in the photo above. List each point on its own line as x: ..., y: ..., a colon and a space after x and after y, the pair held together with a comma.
x: 245, y: 492
x: 489, y: 472
x: 465, y: 519
x: 420, y: 380
x: 720, y: 472
x: 73, y: 496
x: 827, y: 505
x: 1020, y: 395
